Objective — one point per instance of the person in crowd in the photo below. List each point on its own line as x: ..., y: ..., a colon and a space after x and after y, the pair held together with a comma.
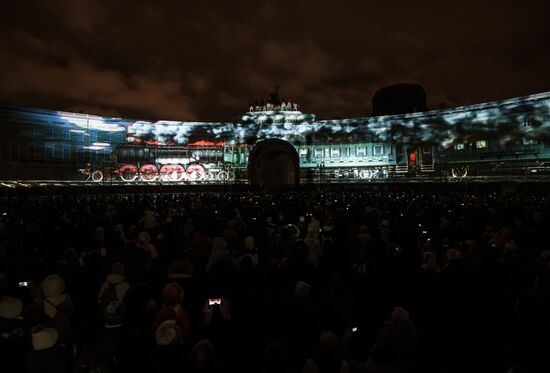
x: 463, y: 266
x: 54, y: 307
x: 13, y: 334
x: 328, y: 358
x: 47, y: 356
x: 276, y: 358
x: 203, y: 358
x: 112, y: 295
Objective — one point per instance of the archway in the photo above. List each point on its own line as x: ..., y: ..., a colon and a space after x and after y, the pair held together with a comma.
x: 273, y: 163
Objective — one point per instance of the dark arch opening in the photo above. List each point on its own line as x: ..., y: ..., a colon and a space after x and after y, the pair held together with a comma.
x: 273, y: 163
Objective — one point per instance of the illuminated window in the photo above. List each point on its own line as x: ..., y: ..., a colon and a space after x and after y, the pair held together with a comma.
x: 378, y: 150
x: 459, y: 146
x: 93, y: 136
x: 361, y: 151
x: 318, y: 152
x: 303, y: 152
x: 335, y: 152
x: 345, y: 152
x: 481, y: 144
x: 66, y: 135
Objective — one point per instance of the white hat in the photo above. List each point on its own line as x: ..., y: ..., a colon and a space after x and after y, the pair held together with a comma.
x: 10, y: 308
x: 53, y: 285
x: 43, y: 338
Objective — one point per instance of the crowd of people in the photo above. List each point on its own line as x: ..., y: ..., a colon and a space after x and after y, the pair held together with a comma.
x: 275, y: 282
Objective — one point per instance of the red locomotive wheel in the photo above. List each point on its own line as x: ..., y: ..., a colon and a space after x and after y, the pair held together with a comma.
x: 128, y: 172
x: 172, y: 172
x: 195, y: 172
x: 148, y: 172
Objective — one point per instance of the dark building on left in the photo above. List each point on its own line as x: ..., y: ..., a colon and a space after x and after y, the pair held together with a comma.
x: 39, y: 144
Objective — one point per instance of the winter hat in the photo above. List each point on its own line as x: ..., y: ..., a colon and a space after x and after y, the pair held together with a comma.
x: 113, y: 314
x: 380, y: 355
x: 453, y: 254
x: 276, y: 355
x: 219, y: 244
x: 172, y: 294
x: 144, y: 237
x: 249, y: 243
x: 43, y: 338
x: 69, y: 254
x: 385, y: 223
x: 117, y: 268
x: 301, y: 289
x: 429, y: 259
x: 399, y: 314
x: 202, y: 352
x: 328, y: 342
x: 52, y: 286
x: 10, y: 308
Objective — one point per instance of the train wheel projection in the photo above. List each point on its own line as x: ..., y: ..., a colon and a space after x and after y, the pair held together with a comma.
x: 97, y: 176
x: 459, y: 172
x: 148, y: 172
x: 195, y: 172
x: 231, y: 176
x: 364, y: 174
x: 223, y: 176
x: 172, y: 172
x: 128, y: 172
x: 210, y: 176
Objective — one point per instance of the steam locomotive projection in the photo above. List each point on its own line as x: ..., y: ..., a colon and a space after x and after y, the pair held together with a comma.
x: 200, y: 161
x: 504, y: 138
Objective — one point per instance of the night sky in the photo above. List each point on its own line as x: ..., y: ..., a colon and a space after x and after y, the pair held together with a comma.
x: 206, y: 60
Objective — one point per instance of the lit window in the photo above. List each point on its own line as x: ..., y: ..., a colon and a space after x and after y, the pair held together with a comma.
x: 303, y: 152
x: 318, y: 152
x: 66, y: 135
x: 335, y: 152
x: 459, y: 146
x: 378, y: 150
x: 481, y: 144
x: 345, y: 152
x: 361, y: 151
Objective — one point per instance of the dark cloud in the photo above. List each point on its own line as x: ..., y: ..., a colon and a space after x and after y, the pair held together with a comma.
x: 208, y: 60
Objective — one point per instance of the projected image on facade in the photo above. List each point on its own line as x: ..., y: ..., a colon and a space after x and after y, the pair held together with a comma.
x: 455, y: 143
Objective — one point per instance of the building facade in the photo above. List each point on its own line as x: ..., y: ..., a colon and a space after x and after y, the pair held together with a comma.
x: 277, y: 143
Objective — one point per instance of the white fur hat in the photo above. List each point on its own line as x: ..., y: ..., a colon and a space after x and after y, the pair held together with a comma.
x: 10, y: 308
x: 53, y: 285
x: 399, y: 314
x: 43, y: 338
